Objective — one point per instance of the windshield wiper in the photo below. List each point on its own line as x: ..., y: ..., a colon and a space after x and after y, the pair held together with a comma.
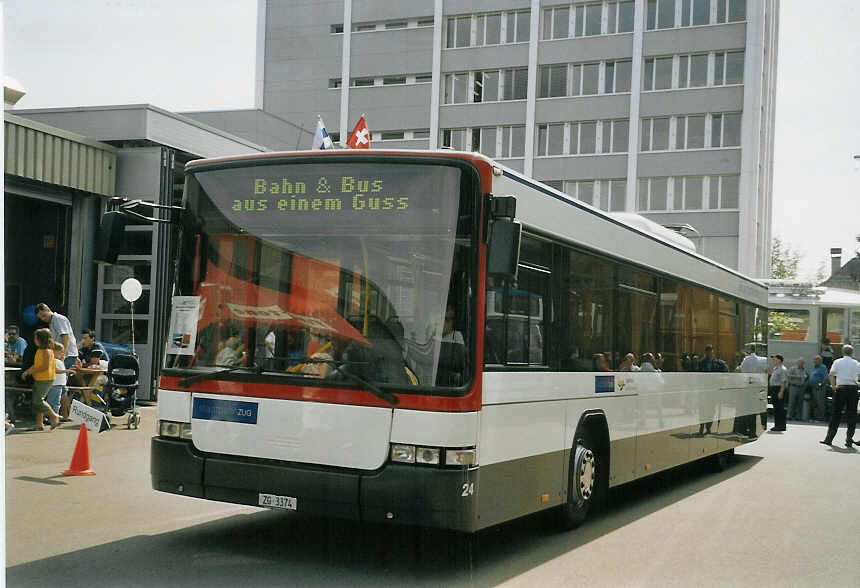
x: 185, y: 382
x: 370, y: 387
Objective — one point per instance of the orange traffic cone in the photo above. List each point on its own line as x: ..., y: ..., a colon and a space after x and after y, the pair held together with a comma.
x: 80, y: 465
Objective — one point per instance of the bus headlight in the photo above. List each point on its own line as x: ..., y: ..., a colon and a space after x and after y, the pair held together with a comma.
x: 402, y: 453
x: 174, y: 429
x: 427, y: 455
x: 435, y: 456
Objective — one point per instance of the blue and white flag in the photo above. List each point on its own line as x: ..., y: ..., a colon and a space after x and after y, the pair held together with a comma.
x: 321, y: 138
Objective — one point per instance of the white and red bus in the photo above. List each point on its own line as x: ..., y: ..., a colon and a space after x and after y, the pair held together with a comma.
x: 365, y: 335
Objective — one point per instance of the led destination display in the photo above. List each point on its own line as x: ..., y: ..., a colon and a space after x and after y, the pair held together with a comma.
x: 336, y: 198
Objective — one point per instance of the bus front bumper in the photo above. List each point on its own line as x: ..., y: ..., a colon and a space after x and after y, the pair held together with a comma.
x: 398, y: 493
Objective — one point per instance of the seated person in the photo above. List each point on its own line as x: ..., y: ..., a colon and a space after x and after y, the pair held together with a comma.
x: 232, y: 353
x: 88, y: 345
x: 449, y: 333
x: 15, y: 345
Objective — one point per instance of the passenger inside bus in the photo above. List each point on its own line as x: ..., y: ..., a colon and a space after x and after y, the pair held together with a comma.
x: 452, y: 353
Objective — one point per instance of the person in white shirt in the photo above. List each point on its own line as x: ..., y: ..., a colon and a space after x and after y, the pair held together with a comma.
x: 844, y: 376
x: 270, y: 341
x: 752, y: 363
x: 59, y: 386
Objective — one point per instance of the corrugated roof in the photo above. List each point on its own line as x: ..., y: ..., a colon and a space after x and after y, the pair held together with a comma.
x: 36, y: 151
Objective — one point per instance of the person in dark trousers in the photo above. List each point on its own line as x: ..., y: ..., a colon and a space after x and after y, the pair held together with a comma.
x: 777, y: 385
x: 844, y: 375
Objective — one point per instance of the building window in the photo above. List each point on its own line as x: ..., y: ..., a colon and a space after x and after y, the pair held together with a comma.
x: 617, y: 76
x: 393, y: 80
x: 336, y: 29
x: 487, y: 141
x: 620, y: 16
x: 362, y: 82
x: 513, y: 141
x: 582, y: 190
x: 515, y: 84
x: 724, y: 192
x: 486, y: 86
x: 690, y: 193
x: 363, y: 27
x: 395, y: 25
x: 728, y: 68
x: 502, y: 142
x: 655, y: 134
x: 489, y: 29
x: 660, y: 14
x: 391, y: 136
x: 731, y: 10
x: 518, y: 24
x: 426, y: 22
x: 421, y: 134
x: 693, y: 71
x: 730, y: 191
x: 653, y: 194
x: 726, y: 130
x: 454, y: 138
x: 459, y: 33
x: 335, y: 82
x: 550, y: 139
x: 456, y: 88
x: 695, y: 12
x: 553, y: 81
x: 690, y: 132
x: 615, y: 135
x: 658, y: 73
x: 616, y: 192
x: 423, y: 78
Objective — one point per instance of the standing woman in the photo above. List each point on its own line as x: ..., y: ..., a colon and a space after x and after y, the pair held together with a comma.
x: 43, y: 372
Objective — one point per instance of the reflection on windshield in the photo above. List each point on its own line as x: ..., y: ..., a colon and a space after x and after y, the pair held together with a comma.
x: 385, y: 307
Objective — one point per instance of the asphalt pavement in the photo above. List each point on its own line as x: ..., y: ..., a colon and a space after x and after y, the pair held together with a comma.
x: 784, y: 513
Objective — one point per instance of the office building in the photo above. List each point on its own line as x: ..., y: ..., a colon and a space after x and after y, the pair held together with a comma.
x: 661, y: 107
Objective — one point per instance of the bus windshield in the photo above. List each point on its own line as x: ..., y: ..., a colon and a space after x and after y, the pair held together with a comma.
x: 331, y: 271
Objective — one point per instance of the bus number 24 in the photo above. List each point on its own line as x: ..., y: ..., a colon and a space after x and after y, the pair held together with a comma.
x: 468, y: 489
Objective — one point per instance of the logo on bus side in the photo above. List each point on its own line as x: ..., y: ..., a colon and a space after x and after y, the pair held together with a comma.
x: 604, y: 384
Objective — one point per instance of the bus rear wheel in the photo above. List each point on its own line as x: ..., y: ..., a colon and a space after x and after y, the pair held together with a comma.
x: 582, y: 482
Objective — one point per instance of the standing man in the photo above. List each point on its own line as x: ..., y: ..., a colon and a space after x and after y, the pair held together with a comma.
x: 61, y: 329
x: 777, y: 383
x: 797, y: 379
x: 844, y: 375
x: 817, y: 380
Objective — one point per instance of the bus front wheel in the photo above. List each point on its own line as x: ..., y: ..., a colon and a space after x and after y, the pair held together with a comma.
x: 582, y: 481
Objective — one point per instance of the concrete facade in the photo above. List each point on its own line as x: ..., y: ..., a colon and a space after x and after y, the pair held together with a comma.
x: 691, y: 104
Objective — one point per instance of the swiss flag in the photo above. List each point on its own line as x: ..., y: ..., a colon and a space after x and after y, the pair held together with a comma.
x: 360, y: 136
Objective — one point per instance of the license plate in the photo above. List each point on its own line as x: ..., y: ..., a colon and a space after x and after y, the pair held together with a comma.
x: 275, y: 501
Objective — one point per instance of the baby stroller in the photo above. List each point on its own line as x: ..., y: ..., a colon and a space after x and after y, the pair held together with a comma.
x: 121, y: 388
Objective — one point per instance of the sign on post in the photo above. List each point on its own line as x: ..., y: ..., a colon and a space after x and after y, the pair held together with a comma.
x: 94, y: 419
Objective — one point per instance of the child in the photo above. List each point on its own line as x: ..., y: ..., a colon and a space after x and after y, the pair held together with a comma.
x: 59, y: 387
x: 43, y: 372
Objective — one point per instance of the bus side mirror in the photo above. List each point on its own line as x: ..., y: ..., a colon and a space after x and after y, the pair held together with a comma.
x: 110, y: 236
x: 503, y: 256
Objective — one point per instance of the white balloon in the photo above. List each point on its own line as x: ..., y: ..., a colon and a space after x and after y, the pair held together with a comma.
x: 131, y: 289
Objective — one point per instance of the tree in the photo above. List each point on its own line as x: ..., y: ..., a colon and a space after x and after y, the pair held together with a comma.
x: 783, y: 260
